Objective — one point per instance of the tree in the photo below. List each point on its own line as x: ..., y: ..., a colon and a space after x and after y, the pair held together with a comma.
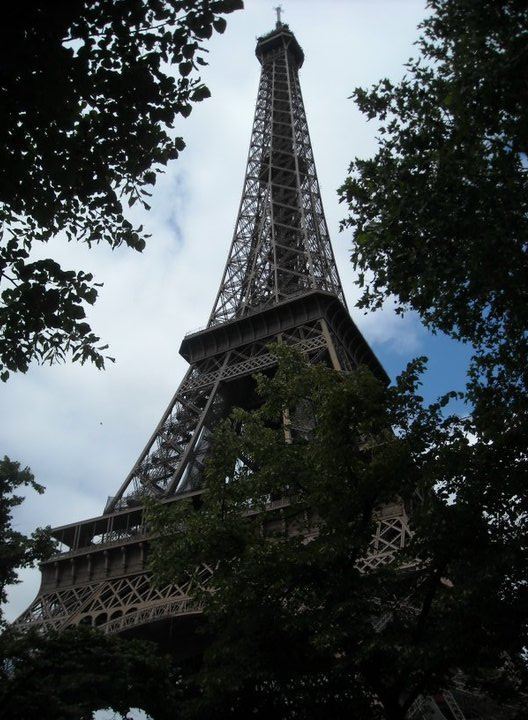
x: 16, y: 549
x: 88, y: 100
x: 440, y: 219
x: 440, y: 213
x: 67, y: 675
x: 297, y: 629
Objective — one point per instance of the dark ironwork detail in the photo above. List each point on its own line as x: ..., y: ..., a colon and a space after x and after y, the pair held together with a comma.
x: 281, y: 244
x: 280, y: 285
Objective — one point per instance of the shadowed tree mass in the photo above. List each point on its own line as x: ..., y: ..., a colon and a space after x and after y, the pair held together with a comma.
x: 440, y: 213
x: 299, y: 624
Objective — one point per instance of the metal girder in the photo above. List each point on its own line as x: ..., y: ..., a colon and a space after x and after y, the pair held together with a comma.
x: 392, y: 533
x: 114, y: 604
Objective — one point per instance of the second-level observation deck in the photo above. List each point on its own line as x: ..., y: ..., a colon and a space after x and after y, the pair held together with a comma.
x: 118, y: 528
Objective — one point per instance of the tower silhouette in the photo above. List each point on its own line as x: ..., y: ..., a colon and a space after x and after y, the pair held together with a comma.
x: 280, y: 283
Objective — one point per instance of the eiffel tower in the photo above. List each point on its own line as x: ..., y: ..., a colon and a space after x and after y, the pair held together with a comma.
x: 280, y: 283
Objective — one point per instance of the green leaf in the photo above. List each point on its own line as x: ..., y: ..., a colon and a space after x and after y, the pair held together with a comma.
x: 185, y: 68
x: 220, y: 24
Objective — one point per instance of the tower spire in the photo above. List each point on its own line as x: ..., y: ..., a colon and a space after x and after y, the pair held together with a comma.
x: 278, y: 10
x: 281, y: 245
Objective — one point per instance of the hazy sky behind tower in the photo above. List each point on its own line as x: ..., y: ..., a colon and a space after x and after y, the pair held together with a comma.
x: 81, y: 430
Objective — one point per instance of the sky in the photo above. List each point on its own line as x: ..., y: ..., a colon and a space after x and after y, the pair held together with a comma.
x: 81, y: 430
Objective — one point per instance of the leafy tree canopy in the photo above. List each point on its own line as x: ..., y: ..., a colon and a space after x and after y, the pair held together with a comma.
x: 88, y: 98
x: 440, y: 213
x: 297, y: 628
x: 70, y: 674
x: 16, y: 549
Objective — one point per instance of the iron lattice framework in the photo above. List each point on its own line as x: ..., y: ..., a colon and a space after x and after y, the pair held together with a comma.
x: 280, y: 284
x: 280, y: 252
x: 281, y: 245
